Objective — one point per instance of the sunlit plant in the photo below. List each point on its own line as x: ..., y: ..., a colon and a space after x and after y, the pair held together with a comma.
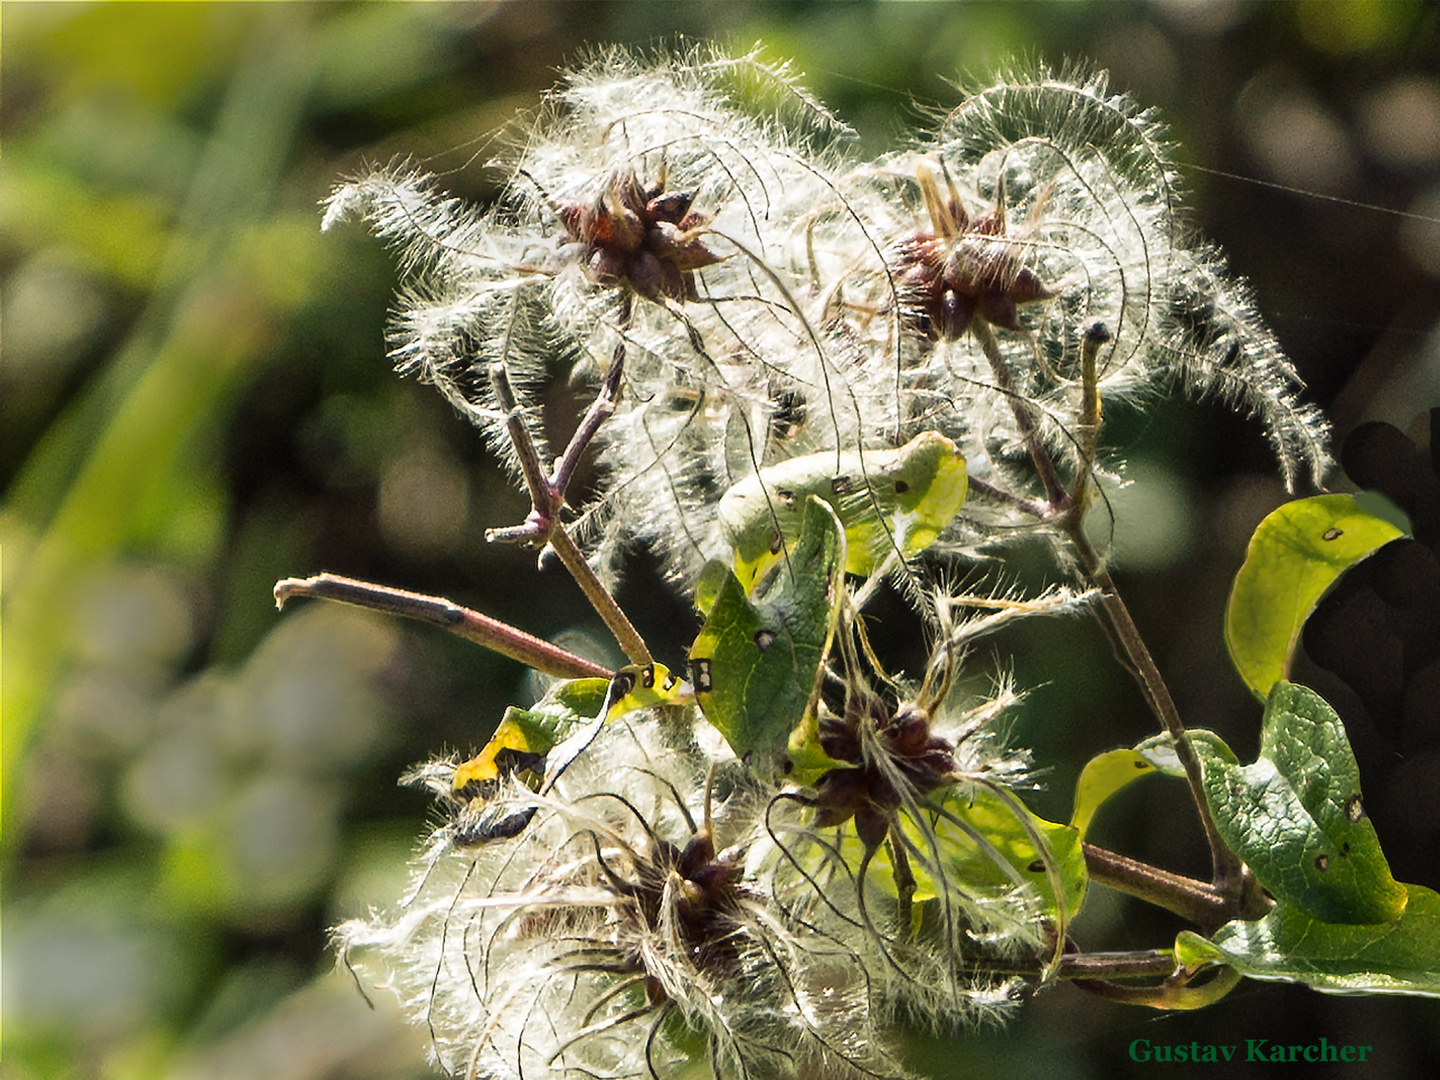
x: 813, y: 377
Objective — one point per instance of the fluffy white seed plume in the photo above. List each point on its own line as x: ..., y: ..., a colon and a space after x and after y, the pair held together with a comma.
x: 648, y: 216
x: 1043, y: 209
x: 620, y: 935
x: 692, y: 219
x: 963, y: 288
x: 912, y: 839
x: 473, y: 295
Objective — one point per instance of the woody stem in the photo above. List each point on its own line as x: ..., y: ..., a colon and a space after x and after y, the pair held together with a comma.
x: 1024, y: 418
x: 1200, y: 902
x: 1227, y: 867
x: 1229, y: 872
x: 437, y: 611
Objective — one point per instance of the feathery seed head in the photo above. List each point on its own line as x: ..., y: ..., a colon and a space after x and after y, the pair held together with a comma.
x: 773, y: 299
x: 614, y: 936
x: 910, y: 840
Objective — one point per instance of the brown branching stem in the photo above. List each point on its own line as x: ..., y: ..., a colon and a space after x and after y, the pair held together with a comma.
x: 1137, y: 964
x: 542, y: 526
x: 1202, y: 903
x: 599, y: 596
x: 601, y: 409
x: 1029, y: 507
x: 547, y: 498
x: 1229, y: 871
x: 1142, y: 964
x: 1114, y: 975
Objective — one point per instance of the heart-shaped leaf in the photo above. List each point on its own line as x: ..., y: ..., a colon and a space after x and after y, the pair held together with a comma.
x: 1296, y: 815
x: 1397, y: 957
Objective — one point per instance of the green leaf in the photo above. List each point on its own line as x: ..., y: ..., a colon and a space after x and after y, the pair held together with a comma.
x: 756, y: 664
x: 1296, y: 554
x: 1102, y: 777
x: 1398, y: 957
x: 988, y: 843
x: 1296, y: 815
x: 1013, y: 831
x: 886, y: 501
x: 531, y: 733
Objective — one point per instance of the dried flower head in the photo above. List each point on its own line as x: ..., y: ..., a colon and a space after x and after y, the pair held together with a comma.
x: 1048, y: 206
x: 646, y: 239
x: 643, y: 210
x: 962, y: 269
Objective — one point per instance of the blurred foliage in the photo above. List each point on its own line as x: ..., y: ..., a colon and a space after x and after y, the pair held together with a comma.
x: 195, y: 403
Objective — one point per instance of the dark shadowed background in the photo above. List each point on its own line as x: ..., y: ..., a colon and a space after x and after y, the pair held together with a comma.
x: 196, y: 402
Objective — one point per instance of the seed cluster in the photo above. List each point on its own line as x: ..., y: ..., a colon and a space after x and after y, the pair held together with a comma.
x: 961, y: 269
x: 881, y: 750
x: 646, y: 239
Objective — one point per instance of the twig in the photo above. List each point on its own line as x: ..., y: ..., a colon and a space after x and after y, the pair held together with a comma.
x: 547, y: 496
x: 1198, y: 901
x: 1229, y: 871
x: 601, y: 409
x: 599, y: 596
x: 1024, y: 419
x: 1031, y: 507
x: 1145, y: 963
x: 1230, y: 874
x: 437, y: 611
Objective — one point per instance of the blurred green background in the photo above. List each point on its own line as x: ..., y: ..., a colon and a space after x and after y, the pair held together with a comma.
x: 194, y: 402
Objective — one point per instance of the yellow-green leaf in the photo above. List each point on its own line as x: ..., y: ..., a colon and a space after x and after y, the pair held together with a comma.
x: 1102, y: 777
x: 983, y: 844
x: 537, y: 744
x: 1296, y: 554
